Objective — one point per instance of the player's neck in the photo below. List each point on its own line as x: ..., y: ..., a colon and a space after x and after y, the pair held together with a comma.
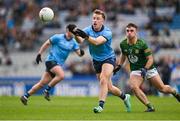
x: 132, y: 41
x: 68, y: 37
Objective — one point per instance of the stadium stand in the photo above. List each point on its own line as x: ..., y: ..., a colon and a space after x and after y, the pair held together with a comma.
x: 22, y: 33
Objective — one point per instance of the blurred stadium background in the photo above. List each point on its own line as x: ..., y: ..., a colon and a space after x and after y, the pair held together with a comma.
x: 22, y: 33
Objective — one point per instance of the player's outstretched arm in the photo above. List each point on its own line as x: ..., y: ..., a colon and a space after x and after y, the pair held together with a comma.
x: 80, y: 35
x: 41, y: 50
x: 96, y: 41
x: 73, y: 29
x: 79, y: 39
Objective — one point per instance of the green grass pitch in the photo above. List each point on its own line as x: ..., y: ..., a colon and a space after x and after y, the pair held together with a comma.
x: 80, y: 108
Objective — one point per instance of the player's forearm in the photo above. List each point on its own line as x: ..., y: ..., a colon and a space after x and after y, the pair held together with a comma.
x: 96, y: 41
x: 43, y: 48
x: 93, y: 41
x: 149, y: 63
x: 79, y: 39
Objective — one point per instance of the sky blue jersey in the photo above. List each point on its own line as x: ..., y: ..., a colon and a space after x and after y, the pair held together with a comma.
x: 103, y: 51
x: 60, y: 48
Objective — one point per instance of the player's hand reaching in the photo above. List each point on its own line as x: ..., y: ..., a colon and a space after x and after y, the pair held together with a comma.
x: 76, y: 31
x: 38, y: 58
x: 116, y: 69
x: 81, y: 33
x: 143, y: 72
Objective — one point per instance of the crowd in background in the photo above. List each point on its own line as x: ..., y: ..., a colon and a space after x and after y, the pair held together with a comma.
x: 21, y: 29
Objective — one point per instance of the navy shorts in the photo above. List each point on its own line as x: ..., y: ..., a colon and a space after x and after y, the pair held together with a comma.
x: 49, y: 66
x: 98, y: 64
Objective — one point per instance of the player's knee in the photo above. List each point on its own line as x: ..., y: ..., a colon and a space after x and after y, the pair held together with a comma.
x: 110, y: 88
x: 103, y: 81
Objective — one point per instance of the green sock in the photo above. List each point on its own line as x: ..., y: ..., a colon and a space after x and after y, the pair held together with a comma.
x: 149, y: 105
x: 174, y: 93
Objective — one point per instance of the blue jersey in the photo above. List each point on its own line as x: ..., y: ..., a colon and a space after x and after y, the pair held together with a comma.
x: 103, y: 51
x: 60, y: 48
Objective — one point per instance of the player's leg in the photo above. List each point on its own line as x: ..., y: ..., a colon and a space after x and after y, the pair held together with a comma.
x: 135, y: 82
x: 58, y: 74
x: 158, y: 83
x: 55, y: 71
x: 117, y: 92
x: 44, y: 80
x: 100, y: 107
x: 104, y: 77
x: 97, y: 66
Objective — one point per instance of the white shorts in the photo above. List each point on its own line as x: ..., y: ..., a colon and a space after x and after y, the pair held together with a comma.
x: 149, y: 74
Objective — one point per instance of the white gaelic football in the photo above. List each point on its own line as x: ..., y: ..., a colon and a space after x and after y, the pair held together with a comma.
x: 46, y: 14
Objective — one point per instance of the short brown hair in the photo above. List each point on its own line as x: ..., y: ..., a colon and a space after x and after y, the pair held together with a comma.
x: 100, y: 12
x: 132, y: 25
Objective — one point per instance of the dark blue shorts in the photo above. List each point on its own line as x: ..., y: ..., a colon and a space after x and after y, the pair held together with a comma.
x: 98, y: 64
x: 49, y: 66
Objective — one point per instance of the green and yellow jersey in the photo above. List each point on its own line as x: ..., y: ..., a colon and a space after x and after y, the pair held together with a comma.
x: 136, y: 53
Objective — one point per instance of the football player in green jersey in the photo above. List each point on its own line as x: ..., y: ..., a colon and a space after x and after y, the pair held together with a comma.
x: 140, y: 58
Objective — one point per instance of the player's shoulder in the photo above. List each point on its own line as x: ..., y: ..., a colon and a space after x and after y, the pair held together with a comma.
x: 56, y: 37
x: 107, y: 28
x: 106, y: 31
x: 141, y: 41
x: 74, y: 40
x: 88, y: 28
x: 123, y: 41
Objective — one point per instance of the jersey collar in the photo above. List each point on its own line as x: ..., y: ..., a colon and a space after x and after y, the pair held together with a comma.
x: 132, y: 43
x: 99, y: 30
x: 67, y: 38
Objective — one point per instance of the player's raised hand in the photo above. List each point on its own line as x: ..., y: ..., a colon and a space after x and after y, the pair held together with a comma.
x: 38, y: 58
x: 143, y: 72
x: 81, y: 33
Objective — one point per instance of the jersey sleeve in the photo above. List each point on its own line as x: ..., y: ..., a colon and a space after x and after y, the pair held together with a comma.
x: 107, y: 35
x: 54, y: 39
x: 146, y: 49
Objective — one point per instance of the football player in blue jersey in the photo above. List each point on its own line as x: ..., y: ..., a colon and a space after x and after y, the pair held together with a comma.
x: 60, y: 47
x: 99, y: 38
